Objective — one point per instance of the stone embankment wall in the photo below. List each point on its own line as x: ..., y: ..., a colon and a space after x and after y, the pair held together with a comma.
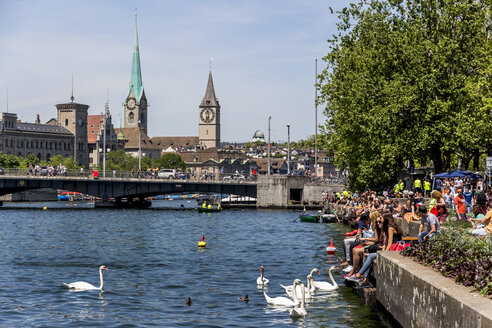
x: 313, y: 192
x: 274, y: 191
x: 417, y: 296
x: 37, y: 195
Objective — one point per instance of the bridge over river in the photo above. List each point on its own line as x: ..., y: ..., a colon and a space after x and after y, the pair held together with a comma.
x: 270, y: 191
x: 133, y: 190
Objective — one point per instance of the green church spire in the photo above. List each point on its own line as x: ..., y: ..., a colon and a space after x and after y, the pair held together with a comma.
x: 136, y: 81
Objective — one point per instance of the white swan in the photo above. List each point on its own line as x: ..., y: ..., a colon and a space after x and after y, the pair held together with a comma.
x: 284, y: 301
x: 324, y: 285
x: 82, y: 285
x: 262, y: 281
x: 307, y: 291
x: 299, y: 312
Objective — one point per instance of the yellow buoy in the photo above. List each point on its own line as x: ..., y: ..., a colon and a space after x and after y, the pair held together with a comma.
x: 45, y: 208
x: 202, y: 243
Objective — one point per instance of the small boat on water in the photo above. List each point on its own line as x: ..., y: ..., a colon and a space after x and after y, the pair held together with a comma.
x: 328, y: 218
x: 309, y: 218
x: 208, y: 210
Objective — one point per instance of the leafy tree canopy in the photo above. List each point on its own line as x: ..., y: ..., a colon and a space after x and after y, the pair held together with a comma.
x: 170, y: 161
x: 408, y: 81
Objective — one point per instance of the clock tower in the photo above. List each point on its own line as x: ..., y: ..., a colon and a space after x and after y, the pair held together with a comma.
x: 209, y: 126
x: 136, y: 102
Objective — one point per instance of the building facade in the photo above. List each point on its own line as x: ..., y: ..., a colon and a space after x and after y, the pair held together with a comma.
x: 73, y: 117
x: 41, y: 140
x: 96, y: 142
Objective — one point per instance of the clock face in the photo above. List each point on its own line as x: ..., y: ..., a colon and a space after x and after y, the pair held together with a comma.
x: 131, y: 103
x: 80, y: 122
x: 207, y: 115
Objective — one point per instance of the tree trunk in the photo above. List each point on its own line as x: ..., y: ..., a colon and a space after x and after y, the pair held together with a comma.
x: 476, y: 159
x: 436, y: 157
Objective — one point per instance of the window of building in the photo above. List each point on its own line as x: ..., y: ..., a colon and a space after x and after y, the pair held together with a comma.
x: 131, y: 118
x: 66, y: 122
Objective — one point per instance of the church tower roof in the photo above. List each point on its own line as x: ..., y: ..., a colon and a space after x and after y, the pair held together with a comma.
x: 136, y: 78
x: 210, y: 100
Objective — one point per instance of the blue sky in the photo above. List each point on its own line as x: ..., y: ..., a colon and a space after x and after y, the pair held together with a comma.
x: 263, y: 65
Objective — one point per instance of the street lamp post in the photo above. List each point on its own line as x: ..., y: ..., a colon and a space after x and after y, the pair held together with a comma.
x: 139, y: 148
x: 269, y: 119
x: 288, y: 149
x: 104, y: 138
x: 316, y: 117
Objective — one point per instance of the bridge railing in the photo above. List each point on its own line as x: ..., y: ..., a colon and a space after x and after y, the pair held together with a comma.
x: 110, y: 174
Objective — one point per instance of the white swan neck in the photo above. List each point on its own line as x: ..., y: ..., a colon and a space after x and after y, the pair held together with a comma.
x: 303, y: 297
x: 308, y: 285
x: 331, y: 277
x: 294, y: 292
x: 101, y: 278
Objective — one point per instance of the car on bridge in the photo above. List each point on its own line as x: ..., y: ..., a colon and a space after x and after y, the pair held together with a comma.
x: 234, y: 177
x: 167, y: 174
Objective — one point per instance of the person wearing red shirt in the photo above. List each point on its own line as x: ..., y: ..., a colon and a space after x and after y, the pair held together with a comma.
x: 459, y: 205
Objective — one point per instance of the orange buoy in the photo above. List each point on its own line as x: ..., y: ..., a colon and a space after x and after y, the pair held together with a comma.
x: 331, y: 249
x: 202, y: 243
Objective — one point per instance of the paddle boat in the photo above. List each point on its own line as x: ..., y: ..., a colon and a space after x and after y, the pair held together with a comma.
x: 309, y: 218
x: 209, y: 208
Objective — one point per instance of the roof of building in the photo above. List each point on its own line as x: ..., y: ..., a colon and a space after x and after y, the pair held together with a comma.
x: 175, y: 142
x: 42, y: 128
x: 262, y: 163
x: 210, y: 99
x: 259, y: 135
x: 136, y: 78
x: 208, y: 154
x: 131, y: 134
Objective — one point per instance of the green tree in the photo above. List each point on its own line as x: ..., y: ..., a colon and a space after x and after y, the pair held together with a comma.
x: 9, y: 161
x: 68, y: 162
x: 407, y: 80
x: 170, y: 161
x: 30, y: 159
x: 120, y: 161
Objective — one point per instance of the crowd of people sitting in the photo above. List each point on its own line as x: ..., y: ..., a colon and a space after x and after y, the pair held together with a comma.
x: 374, y: 216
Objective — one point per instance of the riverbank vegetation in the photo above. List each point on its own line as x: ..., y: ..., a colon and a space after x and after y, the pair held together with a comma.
x: 459, y: 256
x: 408, y: 82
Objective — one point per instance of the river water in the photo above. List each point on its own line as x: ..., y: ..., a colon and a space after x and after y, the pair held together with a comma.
x: 155, y: 265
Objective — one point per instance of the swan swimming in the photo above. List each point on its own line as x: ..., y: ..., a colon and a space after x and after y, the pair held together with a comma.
x: 284, y: 301
x: 307, y: 291
x: 324, y: 285
x: 82, y: 285
x: 299, y: 312
x: 261, y: 280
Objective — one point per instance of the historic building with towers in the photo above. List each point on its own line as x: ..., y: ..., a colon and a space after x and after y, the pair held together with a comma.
x: 136, y: 116
x: 209, y: 127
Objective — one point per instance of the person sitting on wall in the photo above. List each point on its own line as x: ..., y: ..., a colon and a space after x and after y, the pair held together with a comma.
x: 487, y: 222
x: 477, y: 217
x: 432, y: 222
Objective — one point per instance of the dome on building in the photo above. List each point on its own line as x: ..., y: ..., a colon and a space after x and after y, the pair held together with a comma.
x: 258, y: 136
